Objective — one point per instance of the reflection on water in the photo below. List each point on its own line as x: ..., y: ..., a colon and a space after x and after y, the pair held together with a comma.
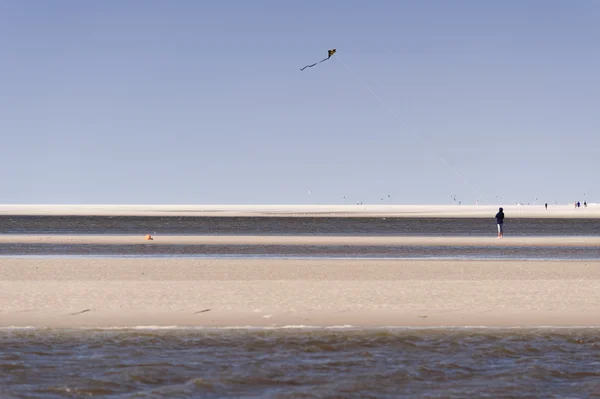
x: 295, y: 226
x: 312, y: 251
x: 299, y: 363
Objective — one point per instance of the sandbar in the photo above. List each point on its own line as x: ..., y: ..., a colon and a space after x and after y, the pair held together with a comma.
x: 384, y: 210
x: 129, y: 292
x: 487, y: 241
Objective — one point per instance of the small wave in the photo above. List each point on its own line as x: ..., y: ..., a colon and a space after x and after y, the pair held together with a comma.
x: 134, y: 328
x: 22, y: 328
x: 249, y: 328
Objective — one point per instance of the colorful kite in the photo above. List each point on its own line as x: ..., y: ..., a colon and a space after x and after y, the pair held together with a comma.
x: 329, y: 54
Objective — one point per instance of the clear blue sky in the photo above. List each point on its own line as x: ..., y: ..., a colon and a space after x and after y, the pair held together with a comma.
x: 203, y: 102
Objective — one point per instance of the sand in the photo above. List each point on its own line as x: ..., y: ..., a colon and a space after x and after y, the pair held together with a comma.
x: 458, y: 211
x: 122, y: 292
x: 490, y: 241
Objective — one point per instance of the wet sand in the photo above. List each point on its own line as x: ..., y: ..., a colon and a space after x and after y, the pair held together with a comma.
x: 120, y: 292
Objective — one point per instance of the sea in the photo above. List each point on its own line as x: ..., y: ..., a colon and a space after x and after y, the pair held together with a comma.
x: 299, y: 361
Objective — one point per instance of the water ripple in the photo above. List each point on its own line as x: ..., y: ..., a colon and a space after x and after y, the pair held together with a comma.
x: 378, y: 363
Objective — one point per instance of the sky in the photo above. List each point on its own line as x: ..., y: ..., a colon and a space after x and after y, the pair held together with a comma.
x: 203, y: 102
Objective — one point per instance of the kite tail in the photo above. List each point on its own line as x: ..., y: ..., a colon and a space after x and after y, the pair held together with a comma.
x: 312, y: 65
x: 329, y: 54
x: 308, y: 66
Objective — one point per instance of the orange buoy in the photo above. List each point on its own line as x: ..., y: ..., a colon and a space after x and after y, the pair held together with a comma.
x: 148, y: 237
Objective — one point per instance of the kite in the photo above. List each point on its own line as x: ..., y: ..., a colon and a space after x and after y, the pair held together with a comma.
x: 329, y: 54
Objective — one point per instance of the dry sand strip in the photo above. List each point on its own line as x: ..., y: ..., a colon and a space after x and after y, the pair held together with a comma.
x: 301, y: 240
x: 387, y: 210
x: 109, y: 292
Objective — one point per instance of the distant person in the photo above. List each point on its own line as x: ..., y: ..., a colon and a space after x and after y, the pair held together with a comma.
x: 546, y: 205
x: 500, y: 222
x: 578, y: 204
x: 585, y: 204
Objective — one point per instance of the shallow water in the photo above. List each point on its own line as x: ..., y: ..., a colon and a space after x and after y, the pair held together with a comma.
x: 337, y: 226
x: 308, y: 251
x: 295, y: 226
x: 379, y: 363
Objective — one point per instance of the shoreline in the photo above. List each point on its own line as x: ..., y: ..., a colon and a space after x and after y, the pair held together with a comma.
x: 108, y: 292
x: 325, y: 321
x: 306, y: 240
x: 391, y: 211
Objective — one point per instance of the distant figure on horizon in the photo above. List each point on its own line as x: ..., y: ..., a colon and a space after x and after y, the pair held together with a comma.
x: 546, y: 205
x: 500, y: 222
x: 585, y: 204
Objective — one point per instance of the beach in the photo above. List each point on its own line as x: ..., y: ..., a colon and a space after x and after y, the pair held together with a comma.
x: 290, y: 302
x: 109, y: 292
x: 300, y: 200
x: 273, y: 273
x: 298, y: 240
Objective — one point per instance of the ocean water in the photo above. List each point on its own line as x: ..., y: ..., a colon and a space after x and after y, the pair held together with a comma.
x: 300, y: 363
x: 339, y: 226
x: 307, y: 251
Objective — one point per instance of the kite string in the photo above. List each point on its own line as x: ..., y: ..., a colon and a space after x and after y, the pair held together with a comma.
x: 409, y: 129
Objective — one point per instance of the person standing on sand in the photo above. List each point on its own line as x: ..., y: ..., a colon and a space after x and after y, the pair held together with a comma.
x: 500, y: 222
x: 546, y: 205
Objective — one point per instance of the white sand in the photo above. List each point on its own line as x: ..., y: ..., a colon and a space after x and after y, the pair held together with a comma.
x: 483, y: 211
x: 490, y: 240
x: 104, y: 292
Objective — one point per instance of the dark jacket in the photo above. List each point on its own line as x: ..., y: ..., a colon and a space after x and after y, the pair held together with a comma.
x: 500, y: 217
